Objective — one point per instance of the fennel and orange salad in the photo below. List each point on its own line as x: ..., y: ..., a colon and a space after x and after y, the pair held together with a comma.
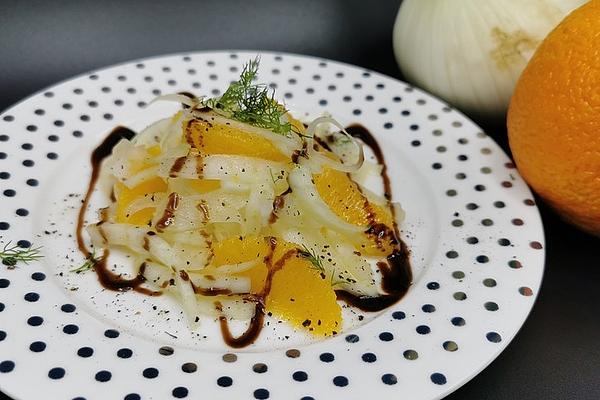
x: 238, y: 210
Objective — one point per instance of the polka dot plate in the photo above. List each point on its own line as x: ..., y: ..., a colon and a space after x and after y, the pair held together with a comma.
x: 475, y: 236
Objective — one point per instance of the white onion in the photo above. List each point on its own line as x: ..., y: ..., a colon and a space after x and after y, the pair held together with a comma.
x: 324, y: 160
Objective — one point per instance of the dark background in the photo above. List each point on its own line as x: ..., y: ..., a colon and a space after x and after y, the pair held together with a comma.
x: 557, y: 353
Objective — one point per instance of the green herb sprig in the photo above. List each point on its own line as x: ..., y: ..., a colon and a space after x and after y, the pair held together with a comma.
x: 251, y: 103
x: 89, y: 263
x: 311, y: 256
x: 12, y: 254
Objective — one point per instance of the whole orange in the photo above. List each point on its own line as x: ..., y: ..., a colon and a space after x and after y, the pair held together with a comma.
x: 554, y: 118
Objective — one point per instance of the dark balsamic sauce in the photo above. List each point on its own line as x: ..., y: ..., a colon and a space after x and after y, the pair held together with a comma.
x: 396, y: 274
x: 168, y: 216
x: 106, y: 277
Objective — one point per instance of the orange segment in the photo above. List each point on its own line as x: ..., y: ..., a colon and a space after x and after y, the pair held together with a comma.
x: 225, y: 139
x: 234, y: 250
x: 301, y: 296
x: 126, y: 196
x: 345, y: 199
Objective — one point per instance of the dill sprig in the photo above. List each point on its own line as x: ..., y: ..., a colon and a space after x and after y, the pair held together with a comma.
x: 12, y: 254
x: 251, y: 103
x: 311, y: 256
x: 89, y: 263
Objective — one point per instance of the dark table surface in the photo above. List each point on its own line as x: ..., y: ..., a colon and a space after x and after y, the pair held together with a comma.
x: 557, y: 353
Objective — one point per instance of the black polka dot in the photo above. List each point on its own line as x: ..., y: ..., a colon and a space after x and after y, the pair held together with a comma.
x: 451, y: 254
x: 37, y: 347
x: 382, y: 110
x: 124, y: 353
x: 503, y: 242
x: 4, y: 175
x: 491, y: 306
x: 7, y: 366
x: 84, y: 117
x: 457, y: 223
x: 4, y: 283
x: 103, y: 376
x: 77, y: 134
x: 356, y: 111
x: 21, y: 212
x: 58, y: 122
x: 340, y: 381
x: 458, y: 321
x: 189, y: 367
x: 31, y: 297
x: 307, y: 398
x: 493, y: 337
x: 398, y: 315
x: 31, y: 128
x: 292, y: 353
x: 323, y: 102
x: 369, y: 357
x: 347, y: 98
x: 449, y: 345
x: 487, y: 222
x: 482, y: 259
x: 415, y: 143
x: 410, y: 355
x: 326, y: 357
x: 472, y: 240
x: 2, y: 306
x: 489, y: 282
x: 261, y: 394
x: 53, y: 138
x: 2, y: 335
x: 423, y: 329
x: 132, y: 396
x: 10, y: 193
x: 56, y: 373
x: 38, y: 276
x: 386, y: 336
x: 515, y: 264
x: 472, y: 206
x: 352, y: 338
x: 259, y: 368
x: 388, y: 125
x: 8, y: 118
x: 310, y: 90
x: 479, y: 188
x: 24, y: 146
x: 70, y: 329
x: 4, y: 226
x: 414, y: 127
x: 428, y: 308
x: 85, y: 352
x: 150, y: 373
x: 3, y: 156
x: 67, y: 106
x: 111, y: 333
x: 35, y: 321
x: 224, y: 381
x: 389, y: 379
x: 436, y: 165
x: 68, y: 308
x: 460, y: 296
x: 438, y: 378
x: 499, y: 204
x: 433, y: 286
x: 300, y: 376
x: 166, y: 350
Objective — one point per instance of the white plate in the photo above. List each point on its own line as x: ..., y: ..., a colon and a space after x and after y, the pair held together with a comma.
x: 474, y: 231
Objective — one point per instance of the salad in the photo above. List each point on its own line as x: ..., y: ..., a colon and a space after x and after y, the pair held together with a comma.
x: 241, y: 211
